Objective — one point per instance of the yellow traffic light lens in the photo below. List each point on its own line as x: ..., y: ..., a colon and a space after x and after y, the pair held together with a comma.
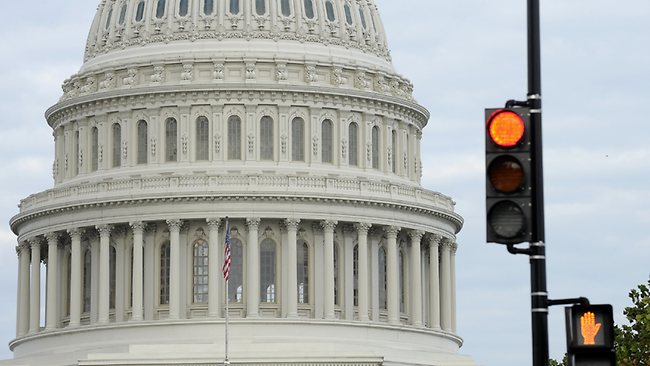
x: 506, y: 128
x: 506, y: 174
x: 507, y: 220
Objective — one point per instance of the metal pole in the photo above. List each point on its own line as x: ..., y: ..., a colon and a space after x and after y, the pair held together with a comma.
x: 539, y: 294
x: 226, y: 361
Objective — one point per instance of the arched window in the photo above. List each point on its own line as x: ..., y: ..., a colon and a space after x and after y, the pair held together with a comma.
x: 329, y: 10
x: 260, y: 7
x: 208, y: 7
x: 160, y: 8
x: 327, y: 135
x: 355, y: 274
x: 201, y: 271
x: 183, y: 7
x: 309, y: 9
x: 202, y: 138
x: 112, y: 275
x: 234, y: 138
x: 94, y: 146
x: 139, y: 13
x: 353, y: 139
x: 266, y: 138
x: 298, y: 139
x: 236, y: 279
x: 267, y: 271
x: 348, y: 14
x: 171, y: 140
x: 234, y: 7
x: 122, y: 17
x: 375, y: 147
x: 362, y: 15
x: 117, y: 145
x: 383, y: 288
x: 394, y: 154
x: 87, y: 278
x: 164, y: 272
x: 285, y: 8
x: 337, y: 293
x: 142, y: 142
x: 108, y: 19
x: 303, y: 272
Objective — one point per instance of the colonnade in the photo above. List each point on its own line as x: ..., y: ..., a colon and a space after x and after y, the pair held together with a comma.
x: 428, y: 269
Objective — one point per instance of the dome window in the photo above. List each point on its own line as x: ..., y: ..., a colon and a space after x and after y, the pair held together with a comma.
x: 348, y: 14
x: 122, y: 18
x: 309, y: 9
x: 160, y: 9
x: 139, y: 13
x: 108, y: 19
x: 208, y: 7
x: 363, y: 18
x: 329, y: 9
x: 183, y: 8
x: 260, y: 7
x: 285, y: 8
x: 234, y: 7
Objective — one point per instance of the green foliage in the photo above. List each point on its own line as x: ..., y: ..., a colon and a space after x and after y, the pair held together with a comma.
x: 564, y: 362
x: 633, y: 341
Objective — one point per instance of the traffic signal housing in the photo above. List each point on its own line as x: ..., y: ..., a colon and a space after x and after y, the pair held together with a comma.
x: 508, y: 162
x: 590, y: 335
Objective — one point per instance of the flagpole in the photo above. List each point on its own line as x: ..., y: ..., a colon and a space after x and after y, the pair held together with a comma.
x: 227, y: 362
x: 226, y: 275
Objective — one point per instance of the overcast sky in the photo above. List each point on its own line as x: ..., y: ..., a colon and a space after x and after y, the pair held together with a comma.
x: 462, y: 57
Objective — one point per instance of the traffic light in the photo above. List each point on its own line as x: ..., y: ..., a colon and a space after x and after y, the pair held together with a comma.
x: 590, y: 335
x: 508, y: 157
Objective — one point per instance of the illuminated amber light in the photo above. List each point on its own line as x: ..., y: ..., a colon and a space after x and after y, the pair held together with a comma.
x: 506, y: 128
x: 589, y: 328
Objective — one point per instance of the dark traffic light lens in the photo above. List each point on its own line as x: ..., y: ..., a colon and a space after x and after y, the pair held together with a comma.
x: 506, y: 174
x: 507, y: 219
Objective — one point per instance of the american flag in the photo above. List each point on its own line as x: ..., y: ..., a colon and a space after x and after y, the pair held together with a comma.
x: 226, y: 254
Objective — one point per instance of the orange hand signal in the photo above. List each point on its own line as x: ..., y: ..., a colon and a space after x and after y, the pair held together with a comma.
x: 589, y: 328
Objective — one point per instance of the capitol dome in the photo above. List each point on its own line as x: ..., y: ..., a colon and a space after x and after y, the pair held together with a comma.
x: 282, y: 122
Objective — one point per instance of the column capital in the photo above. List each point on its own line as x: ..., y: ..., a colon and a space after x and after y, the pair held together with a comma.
x: 447, y: 243
x: 391, y: 231
x: 454, y: 248
x: 22, y: 247
x: 214, y: 223
x: 104, y: 230
x: 416, y: 235
x: 75, y: 233
x: 434, y: 240
x: 174, y: 225
x: 52, y: 238
x: 34, y: 242
x: 253, y: 223
x: 328, y: 225
x: 292, y: 224
x: 362, y: 227
x: 138, y: 226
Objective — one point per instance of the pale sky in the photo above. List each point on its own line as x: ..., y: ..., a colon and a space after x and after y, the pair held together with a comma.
x: 462, y: 56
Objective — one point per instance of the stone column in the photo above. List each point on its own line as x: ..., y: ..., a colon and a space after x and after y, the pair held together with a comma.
x: 104, y: 273
x: 214, y: 278
x: 434, y: 281
x: 416, y: 278
x: 328, y: 269
x: 75, y: 277
x: 454, y: 248
x: 52, y: 274
x: 392, y: 274
x: 363, y: 292
x: 292, y: 268
x: 252, y: 288
x: 35, y: 287
x: 174, y: 268
x: 137, y: 310
x: 22, y: 313
x: 445, y: 284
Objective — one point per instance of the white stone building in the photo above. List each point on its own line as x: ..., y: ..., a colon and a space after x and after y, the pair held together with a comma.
x: 284, y: 117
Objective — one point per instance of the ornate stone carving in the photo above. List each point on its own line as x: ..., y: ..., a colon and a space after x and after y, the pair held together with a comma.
x: 131, y: 77
x: 361, y: 80
x: 281, y: 72
x: 250, y: 71
x: 391, y: 231
x: 251, y: 143
x: 338, y: 78
x: 188, y: 72
x: 253, y: 223
x: 315, y: 144
x: 213, y: 223
x: 89, y: 86
x: 381, y: 84
x: 292, y: 224
x: 329, y: 224
x: 344, y: 148
x: 217, y: 144
x: 152, y: 143
x: 174, y: 225
x: 158, y: 75
x: 104, y: 230
x: 108, y: 82
x: 311, y: 75
x: 219, y: 71
x: 362, y: 227
x: 184, y: 143
x: 138, y: 226
x: 283, y: 143
x: 125, y: 150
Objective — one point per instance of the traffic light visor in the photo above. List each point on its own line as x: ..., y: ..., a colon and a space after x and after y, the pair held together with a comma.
x: 506, y: 128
